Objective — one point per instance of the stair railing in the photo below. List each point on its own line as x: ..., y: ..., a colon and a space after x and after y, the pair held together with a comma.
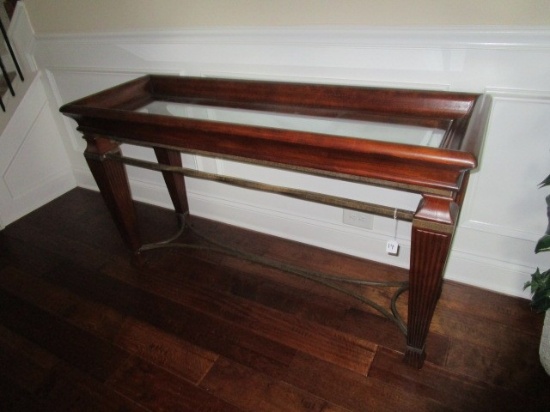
x: 5, y: 73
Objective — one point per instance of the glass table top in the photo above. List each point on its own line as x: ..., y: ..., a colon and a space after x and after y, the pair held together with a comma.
x: 386, y: 132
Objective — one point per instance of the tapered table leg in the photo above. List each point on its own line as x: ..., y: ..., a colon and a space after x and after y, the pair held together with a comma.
x: 174, y: 181
x: 110, y: 176
x: 432, y: 231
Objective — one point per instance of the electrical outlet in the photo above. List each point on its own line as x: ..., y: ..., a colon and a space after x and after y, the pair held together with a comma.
x: 359, y: 219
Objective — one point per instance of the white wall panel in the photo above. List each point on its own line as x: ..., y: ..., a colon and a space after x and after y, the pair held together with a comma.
x: 515, y: 159
x: 33, y: 163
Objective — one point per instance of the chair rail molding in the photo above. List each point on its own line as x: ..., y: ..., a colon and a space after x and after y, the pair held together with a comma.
x: 501, y: 219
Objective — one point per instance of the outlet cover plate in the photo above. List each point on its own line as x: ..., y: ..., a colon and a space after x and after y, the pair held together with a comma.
x: 358, y: 219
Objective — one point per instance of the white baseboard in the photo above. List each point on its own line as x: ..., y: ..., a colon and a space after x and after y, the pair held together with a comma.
x: 50, y: 189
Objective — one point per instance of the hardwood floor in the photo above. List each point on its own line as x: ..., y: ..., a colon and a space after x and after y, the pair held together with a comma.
x: 83, y: 329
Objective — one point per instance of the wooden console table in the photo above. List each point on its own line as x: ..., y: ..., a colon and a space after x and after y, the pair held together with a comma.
x: 424, y: 142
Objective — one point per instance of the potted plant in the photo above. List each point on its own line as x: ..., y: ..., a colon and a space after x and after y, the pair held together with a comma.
x: 540, y: 289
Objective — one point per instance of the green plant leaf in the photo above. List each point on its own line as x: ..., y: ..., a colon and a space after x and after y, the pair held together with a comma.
x: 545, y: 182
x: 541, y: 301
x: 540, y: 289
x: 539, y: 281
x: 543, y: 245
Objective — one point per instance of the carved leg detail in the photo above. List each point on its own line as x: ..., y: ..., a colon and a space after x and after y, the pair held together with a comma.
x: 111, y: 178
x: 431, y: 242
x: 425, y: 282
x: 174, y: 181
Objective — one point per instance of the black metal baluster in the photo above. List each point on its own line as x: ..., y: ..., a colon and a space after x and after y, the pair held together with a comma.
x: 6, y: 77
x: 12, y: 54
x: 5, y: 74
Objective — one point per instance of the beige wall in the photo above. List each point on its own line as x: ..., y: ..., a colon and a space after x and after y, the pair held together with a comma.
x: 65, y: 16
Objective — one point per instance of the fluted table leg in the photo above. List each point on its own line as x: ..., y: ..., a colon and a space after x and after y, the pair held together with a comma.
x: 433, y: 227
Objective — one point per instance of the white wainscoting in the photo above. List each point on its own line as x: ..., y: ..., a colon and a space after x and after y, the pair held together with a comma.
x: 504, y: 211
x: 33, y: 163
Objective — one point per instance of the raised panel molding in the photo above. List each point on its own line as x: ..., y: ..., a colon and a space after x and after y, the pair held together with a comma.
x: 491, y: 250
x: 517, y: 148
x: 33, y: 164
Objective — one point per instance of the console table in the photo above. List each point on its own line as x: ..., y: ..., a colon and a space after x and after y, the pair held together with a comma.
x: 424, y: 142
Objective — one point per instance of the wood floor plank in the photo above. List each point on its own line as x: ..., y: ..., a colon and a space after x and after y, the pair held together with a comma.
x: 362, y: 393
x: 157, y: 389
x: 99, y: 320
x: 300, y: 334
x: 490, y: 306
x: 34, y: 290
x: 14, y: 398
x: 27, y: 366
x: 254, y: 391
x: 455, y: 391
x: 67, y: 342
x: 56, y: 244
x: 496, y: 340
x: 69, y: 389
x: 25, y: 256
x: 502, y: 367
x: 197, y: 328
x: 176, y: 355
x: 478, y: 331
x: 37, y: 380
x: 130, y: 335
x: 327, y: 380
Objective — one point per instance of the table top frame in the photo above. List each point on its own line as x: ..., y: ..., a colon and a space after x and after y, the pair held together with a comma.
x: 406, y: 167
